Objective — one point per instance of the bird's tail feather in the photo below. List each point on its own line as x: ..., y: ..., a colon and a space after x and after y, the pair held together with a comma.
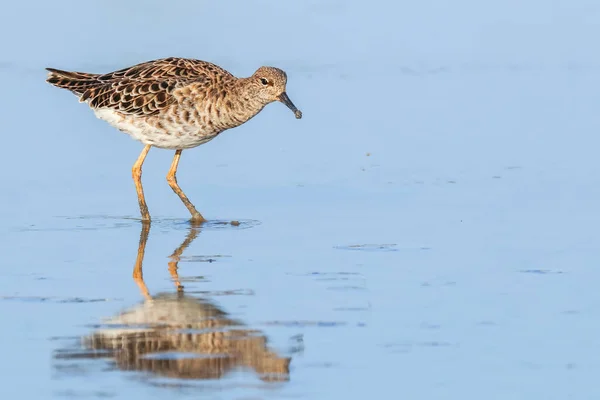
x: 76, y: 82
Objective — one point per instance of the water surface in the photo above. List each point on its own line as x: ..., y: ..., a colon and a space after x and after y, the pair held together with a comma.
x: 428, y: 230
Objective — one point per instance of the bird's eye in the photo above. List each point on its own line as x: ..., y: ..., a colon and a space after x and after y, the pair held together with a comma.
x: 264, y: 81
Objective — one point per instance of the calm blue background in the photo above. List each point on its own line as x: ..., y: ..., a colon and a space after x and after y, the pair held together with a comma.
x: 462, y: 135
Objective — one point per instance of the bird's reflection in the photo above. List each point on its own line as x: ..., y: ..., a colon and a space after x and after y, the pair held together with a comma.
x: 179, y: 336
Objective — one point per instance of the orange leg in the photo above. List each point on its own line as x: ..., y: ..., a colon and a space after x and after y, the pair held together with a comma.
x: 172, y: 179
x: 136, y: 171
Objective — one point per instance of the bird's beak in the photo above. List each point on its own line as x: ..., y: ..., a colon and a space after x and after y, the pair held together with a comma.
x: 283, y: 97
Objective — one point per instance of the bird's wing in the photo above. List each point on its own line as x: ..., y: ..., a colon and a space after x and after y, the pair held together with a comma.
x: 143, y: 89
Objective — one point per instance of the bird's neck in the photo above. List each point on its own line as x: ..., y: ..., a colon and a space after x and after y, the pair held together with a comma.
x: 244, y: 105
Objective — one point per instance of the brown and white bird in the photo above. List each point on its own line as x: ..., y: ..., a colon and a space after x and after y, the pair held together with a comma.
x: 174, y: 103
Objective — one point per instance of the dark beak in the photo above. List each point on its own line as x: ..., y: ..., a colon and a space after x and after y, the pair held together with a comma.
x: 283, y: 97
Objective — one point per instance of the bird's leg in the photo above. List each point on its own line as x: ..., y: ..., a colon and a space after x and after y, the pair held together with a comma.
x: 136, y: 171
x: 172, y: 179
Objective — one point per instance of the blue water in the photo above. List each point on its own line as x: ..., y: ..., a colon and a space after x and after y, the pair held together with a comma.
x: 428, y: 230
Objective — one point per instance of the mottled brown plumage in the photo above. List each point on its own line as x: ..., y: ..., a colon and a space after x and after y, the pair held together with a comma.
x: 144, y: 89
x: 174, y: 103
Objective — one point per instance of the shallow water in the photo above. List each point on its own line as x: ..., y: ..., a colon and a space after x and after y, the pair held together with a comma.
x: 428, y: 230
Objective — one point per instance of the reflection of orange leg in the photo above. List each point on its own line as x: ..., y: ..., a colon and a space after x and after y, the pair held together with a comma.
x: 136, y: 171
x: 172, y: 179
x: 173, y: 270
x: 176, y: 256
x: 138, y: 275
